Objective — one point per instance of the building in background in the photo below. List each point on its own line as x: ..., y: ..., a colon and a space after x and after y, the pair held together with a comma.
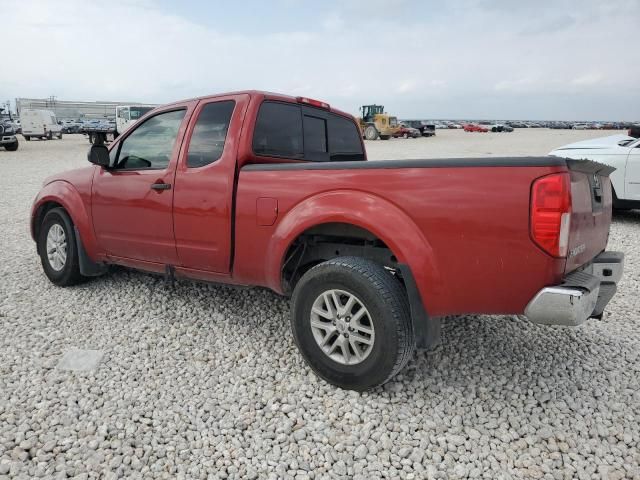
x: 72, y: 110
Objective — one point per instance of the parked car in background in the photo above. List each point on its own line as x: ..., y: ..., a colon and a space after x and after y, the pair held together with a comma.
x: 501, y: 127
x: 407, y: 132
x: 560, y: 126
x: 581, y: 126
x: 621, y: 152
x: 39, y: 124
x: 634, y: 131
x: 71, y: 126
x: 426, y: 129
x: 8, y: 138
x: 373, y: 254
x: 471, y: 127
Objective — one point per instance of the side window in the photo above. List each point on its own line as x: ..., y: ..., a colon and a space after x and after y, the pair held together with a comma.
x: 278, y: 131
x: 209, y: 133
x: 344, y: 139
x: 151, y: 144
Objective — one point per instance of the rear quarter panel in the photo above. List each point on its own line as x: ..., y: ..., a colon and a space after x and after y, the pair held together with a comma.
x: 472, y: 222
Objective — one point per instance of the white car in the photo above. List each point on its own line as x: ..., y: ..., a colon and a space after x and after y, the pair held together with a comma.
x: 619, y: 151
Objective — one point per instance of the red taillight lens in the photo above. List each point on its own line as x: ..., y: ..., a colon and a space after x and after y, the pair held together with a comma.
x: 313, y: 103
x: 551, y: 213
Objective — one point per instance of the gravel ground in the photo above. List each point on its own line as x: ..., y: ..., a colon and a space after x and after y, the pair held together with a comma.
x: 203, y: 381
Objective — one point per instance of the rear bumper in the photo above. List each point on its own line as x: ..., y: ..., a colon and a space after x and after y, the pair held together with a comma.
x: 582, y: 295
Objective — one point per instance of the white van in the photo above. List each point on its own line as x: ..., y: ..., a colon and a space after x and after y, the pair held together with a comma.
x: 40, y: 124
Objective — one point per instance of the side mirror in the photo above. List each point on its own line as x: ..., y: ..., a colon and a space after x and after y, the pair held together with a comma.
x: 99, y: 155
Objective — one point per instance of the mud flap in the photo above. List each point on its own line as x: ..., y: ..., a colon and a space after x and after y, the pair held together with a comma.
x: 426, y: 329
x: 88, y: 268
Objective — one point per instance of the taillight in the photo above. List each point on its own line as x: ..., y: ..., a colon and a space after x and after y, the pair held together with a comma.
x: 313, y: 103
x: 551, y: 213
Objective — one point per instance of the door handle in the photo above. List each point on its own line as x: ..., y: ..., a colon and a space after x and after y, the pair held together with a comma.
x: 160, y: 186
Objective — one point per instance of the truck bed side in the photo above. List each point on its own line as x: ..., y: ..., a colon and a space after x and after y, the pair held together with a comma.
x: 473, y: 216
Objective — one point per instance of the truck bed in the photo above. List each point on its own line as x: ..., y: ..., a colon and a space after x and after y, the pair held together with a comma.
x: 472, y: 214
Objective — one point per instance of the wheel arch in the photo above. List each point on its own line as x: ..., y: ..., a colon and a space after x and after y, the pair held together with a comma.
x: 61, y: 194
x: 363, y: 212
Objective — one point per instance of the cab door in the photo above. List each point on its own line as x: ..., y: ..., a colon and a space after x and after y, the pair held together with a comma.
x: 204, y: 184
x: 132, y: 200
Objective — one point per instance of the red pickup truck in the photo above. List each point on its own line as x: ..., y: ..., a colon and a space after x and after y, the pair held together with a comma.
x: 255, y: 188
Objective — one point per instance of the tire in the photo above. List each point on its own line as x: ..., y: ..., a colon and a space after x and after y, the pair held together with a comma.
x: 59, y: 136
x: 69, y: 273
x: 371, y: 133
x: 50, y: 136
x: 27, y: 138
x: 386, y: 315
x: 617, y: 204
x: 385, y: 137
x: 11, y: 147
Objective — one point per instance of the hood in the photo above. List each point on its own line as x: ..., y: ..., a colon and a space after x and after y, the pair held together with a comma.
x: 76, y: 177
x: 596, y: 143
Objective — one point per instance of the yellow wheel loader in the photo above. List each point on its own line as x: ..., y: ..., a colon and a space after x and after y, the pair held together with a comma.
x: 375, y: 123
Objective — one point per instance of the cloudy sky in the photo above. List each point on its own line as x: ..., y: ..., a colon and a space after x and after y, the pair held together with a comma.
x: 496, y: 59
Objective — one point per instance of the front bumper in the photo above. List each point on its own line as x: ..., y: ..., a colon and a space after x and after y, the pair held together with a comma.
x: 10, y: 138
x: 582, y: 295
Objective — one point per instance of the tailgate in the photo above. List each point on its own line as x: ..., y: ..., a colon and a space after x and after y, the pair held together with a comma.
x: 591, y: 202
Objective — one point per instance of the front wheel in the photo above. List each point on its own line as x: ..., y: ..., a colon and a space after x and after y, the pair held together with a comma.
x: 371, y: 133
x: 58, y: 250
x: 59, y: 136
x: 351, y: 322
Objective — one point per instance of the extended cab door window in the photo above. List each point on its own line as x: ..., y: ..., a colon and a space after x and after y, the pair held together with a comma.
x: 209, y: 134
x: 278, y: 131
x: 151, y: 144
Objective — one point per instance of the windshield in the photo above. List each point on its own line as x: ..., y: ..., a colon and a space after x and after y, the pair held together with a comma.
x: 137, y: 112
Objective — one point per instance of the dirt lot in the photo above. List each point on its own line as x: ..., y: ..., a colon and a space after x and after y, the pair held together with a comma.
x: 204, y: 381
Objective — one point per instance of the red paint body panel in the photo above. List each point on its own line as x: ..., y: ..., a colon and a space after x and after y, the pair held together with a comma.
x: 463, y: 231
x: 130, y: 219
x: 203, y: 199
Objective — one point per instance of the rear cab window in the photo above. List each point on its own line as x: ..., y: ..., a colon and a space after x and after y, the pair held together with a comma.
x: 288, y: 130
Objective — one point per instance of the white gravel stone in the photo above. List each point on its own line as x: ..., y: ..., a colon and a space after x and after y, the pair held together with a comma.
x: 201, y: 379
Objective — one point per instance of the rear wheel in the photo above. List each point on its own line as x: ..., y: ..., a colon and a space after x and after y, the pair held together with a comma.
x: 12, y: 147
x: 371, y: 133
x: 59, y: 136
x: 27, y: 138
x: 58, y: 250
x: 350, y: 319
x: 50, y: 136
x: 385, y: 137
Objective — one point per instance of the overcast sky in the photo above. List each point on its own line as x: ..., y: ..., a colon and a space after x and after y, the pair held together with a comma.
x: 422, y: 59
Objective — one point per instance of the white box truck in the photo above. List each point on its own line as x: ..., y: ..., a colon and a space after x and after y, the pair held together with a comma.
x: 39, y: 124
